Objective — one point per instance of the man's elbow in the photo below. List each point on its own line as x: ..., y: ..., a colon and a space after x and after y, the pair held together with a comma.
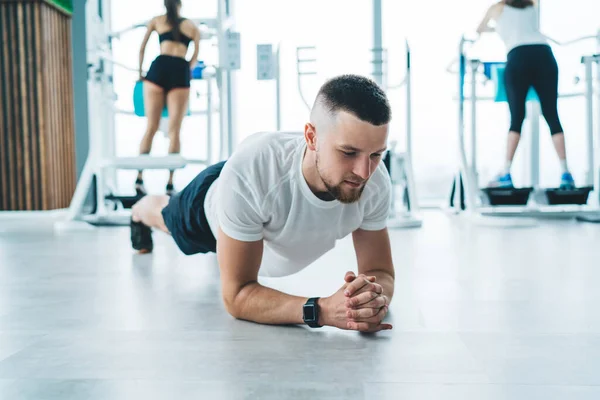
x: 231, y: 306
x: 235, y: 300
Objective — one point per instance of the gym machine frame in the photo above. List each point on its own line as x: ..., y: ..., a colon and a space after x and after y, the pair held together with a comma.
x: 466, y: 182
x: 98, y: 176
x: 399, y: 164
x: 400, y: 167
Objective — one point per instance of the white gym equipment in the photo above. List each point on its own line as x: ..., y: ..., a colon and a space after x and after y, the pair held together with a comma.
x: 98, y: 176
x: 398, y: 162
x: 268, y: 69
x: 400, y: 167
x: 534, y: 202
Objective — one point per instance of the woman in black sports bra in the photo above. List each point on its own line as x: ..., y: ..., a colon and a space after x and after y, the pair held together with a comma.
x: 168, y: 79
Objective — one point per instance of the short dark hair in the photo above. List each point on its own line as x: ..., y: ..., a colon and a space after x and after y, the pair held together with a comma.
x: 357, y: 95
x: 519, y: 3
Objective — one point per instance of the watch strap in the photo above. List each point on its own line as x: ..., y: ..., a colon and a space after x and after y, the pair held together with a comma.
x: 313, y: 302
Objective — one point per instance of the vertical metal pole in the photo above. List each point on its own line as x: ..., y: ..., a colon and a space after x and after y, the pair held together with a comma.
x: 470, y: 184
x: 105, y: 134
x: 384, y: 69
x: 377, y: 42
x: 98, y: 133
x: 278, y: 86
x: 596, y: 162
x: 589, y: 99
x: 209, y: 120
x: 231, y: 134
x: 461, y: 143
x: 408, y: 103
x: 221, y: 78
x: 109, y: 97
x: 225, y: 80
x: 474, y: 67
x: 231, y: 88
x: 413, y: 201
x: 534, y: 113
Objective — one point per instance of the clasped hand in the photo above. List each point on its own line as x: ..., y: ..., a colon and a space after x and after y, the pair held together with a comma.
x: 359, y: 305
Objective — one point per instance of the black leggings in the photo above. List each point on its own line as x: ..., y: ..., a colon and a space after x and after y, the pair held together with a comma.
x: 532, y: 65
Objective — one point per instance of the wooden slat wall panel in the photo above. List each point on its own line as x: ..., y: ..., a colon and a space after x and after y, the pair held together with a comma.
x: 4, y: 117
x: 49, y: 76
x: 18, y: 109
x: 37, y: 149
x: 43, y: 125
x: 50, y: 149
x: 69, y: 108
x: 34, y: 115
x: 23, y: 147
x: 60, y: 112
x: 11, y: 109
x: 25, y: 83
x: 54, y: 106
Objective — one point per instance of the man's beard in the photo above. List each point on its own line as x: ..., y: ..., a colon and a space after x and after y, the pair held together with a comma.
x: 346, y: 196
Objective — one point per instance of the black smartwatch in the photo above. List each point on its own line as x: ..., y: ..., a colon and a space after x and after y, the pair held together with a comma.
x: 310, y: 313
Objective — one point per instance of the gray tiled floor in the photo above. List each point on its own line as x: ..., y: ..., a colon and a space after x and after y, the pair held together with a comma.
x: 479, y: 313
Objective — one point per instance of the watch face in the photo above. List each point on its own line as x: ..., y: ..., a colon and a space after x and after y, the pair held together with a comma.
x: 309, y: 313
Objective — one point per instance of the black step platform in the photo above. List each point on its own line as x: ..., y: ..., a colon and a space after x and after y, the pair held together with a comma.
x: 508, y: 196
x: 126, y: 201
x: 577, y: 196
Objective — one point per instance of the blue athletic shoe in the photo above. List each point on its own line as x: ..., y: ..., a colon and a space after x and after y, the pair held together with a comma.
x: 567, y: 182
x: 502, y: 181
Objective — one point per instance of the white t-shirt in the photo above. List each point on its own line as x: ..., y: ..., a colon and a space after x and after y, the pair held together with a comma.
x: 519, y: 26
x: 262, y: 194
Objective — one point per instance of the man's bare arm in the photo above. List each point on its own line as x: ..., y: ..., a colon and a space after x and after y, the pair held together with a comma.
x: 374, y: 257
x: 243, y: 296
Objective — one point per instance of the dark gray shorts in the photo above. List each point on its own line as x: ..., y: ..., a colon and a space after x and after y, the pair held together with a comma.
x: 185, y: 218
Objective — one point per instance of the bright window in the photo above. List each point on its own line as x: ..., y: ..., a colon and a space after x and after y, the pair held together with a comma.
x: 342, y: 31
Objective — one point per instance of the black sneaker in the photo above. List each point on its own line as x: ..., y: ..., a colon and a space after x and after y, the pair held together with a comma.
x: 141, y: 237
x: 140, y: 190
x: 170, y: 189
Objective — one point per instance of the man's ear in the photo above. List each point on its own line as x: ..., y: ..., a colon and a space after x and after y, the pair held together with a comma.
x: 310, y: 135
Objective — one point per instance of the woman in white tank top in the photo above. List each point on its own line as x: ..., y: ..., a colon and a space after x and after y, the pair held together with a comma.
x: 530, y: 63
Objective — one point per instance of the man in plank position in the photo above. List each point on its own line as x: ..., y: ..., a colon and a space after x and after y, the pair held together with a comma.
x: 283, y: 200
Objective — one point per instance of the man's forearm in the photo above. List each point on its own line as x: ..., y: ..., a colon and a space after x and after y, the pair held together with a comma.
x: 385, y: 279
x: 267, y: 306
